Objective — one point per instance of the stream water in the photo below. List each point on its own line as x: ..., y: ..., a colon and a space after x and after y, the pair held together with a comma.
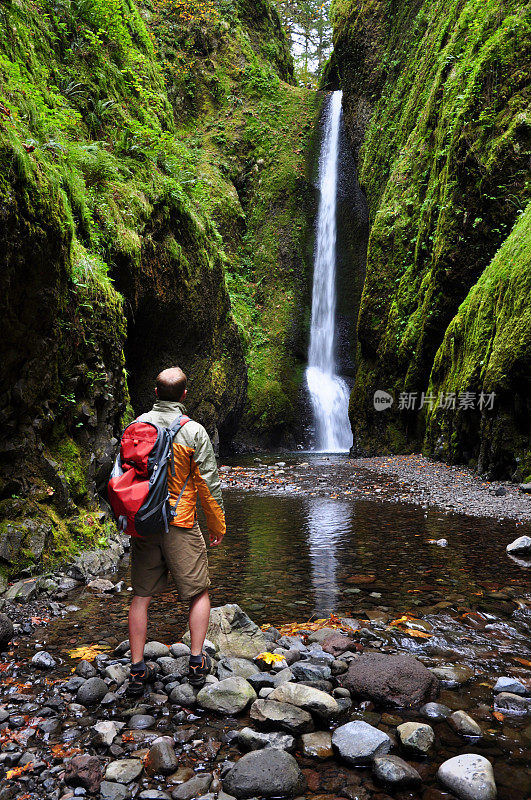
x: 290, y: 556
x: 328, y: 391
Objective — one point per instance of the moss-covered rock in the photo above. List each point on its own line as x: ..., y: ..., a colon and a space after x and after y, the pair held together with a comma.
x: 435, y: 102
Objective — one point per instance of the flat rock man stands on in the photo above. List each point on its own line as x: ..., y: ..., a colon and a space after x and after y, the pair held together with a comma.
x: 180, y: 553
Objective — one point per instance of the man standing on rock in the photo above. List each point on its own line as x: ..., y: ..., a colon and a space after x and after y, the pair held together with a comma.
x: 180, y: 553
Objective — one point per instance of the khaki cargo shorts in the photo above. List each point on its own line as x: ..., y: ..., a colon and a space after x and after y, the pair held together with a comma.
x: 181, y: 553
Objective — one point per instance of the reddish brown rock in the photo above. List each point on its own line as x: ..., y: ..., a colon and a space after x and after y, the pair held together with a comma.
x: 84, y: 770
x: 390, y: 680
x: 337, y: 643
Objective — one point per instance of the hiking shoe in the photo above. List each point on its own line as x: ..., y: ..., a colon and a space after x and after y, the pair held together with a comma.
x: 197, y: 672
x: 139, y: 680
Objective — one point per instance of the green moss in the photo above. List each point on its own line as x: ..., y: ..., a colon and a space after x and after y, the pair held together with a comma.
x: 436, y: 106
x: 73, y: 464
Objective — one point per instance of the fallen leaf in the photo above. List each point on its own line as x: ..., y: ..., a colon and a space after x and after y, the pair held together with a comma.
x: 270, y: 658
x: 498, y: 715
x: 86, y: 653
x: 16, y: 771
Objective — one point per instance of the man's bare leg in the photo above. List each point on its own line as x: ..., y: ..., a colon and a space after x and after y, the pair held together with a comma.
x: 198, y: 621
x: 138, y: 627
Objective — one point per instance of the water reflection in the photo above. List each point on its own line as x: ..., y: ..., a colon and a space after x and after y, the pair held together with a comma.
x: 328, y: 522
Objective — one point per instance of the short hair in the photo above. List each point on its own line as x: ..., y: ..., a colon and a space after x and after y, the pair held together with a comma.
x: 171, y: 384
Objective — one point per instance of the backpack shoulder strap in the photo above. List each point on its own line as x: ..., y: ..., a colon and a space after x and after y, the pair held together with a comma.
x: 176, y: 426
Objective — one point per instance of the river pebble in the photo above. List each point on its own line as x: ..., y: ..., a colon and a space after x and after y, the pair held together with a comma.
x: 358, y: 742
x: 469, y: 776
x: 395, y: 771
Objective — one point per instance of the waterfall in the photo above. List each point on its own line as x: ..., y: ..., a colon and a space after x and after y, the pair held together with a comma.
x: 329, y: 393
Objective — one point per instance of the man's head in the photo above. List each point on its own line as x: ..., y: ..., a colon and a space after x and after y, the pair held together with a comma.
x: 171, y: 384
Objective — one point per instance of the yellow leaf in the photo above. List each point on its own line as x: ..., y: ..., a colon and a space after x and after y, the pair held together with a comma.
x: 87, y: 653
x: 270, y: 658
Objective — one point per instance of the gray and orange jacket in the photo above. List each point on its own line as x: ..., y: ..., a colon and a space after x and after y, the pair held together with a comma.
x: 192, y: 453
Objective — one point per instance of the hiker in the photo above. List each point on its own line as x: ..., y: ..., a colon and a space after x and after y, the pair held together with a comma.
x: 181, y: 552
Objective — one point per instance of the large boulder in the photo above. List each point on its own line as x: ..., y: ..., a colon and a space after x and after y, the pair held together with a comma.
x: 265, y: 773
x: 392, y: 680
x: 6, y: 630
x: 229, y: 696
x: 233, y: 633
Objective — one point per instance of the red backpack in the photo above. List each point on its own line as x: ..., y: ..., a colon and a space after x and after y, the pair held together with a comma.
x: 138, y: 485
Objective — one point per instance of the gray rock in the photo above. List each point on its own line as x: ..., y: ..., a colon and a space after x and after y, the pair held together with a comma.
x: 265, y: 773
x: 106, y: 730
x: 174, y: 666
x: 117, y: 673
x: 229, y: 696
x: 154, y: 650
x: 399, y: 680
x: 394, y: 771
x: 154, y: 794
x: 307, y: 698
x: 179, y: 649
x: 453, y: 675
x: 183, y: 695
x: 435, y: 711
x: 416, y: 737
x: 6, y: 630
x: 100, y: 585
x: 85, y: 670
x: 271, y: 714
x: 22, y: 591
x: 92, y: 691
x: 306, y: 671
x: 463, y: 724
x: 241, y: 667
x: 317, y: 744
x: 256, y: 740
x: 509, y: 703
x: 233, y: 633
x: 140, y: 722
x: 512, y: 685
x: 43, y: 660
x: 195, y: 787
x: 520, y: 545
x: 124, y: 770
x: 468, y: 776
x: 358, y: 742
x: 161, y: 758
x: 113, y: 791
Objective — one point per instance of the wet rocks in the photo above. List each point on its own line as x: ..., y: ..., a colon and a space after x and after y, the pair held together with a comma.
x: 141, y: 722
x: 195, y: 787
x: 229, y: 696
x: 83, y: 770
x: 394, y: 771
x: 308, y: 671
x: 161, y: 758
x: 358, y: 742
x: 43, y: 660
x: 509, y: 703
x: 435, y: 711
x: 92, y: 691
x: 463, y: 724
x: 265, y: 773
x: 85, y: 669
x: 106, y: 730
x: 100, y: 585
x: 468, y: 776
x: 124, y: 770
x: 317, y: 744
x: 6, y: 630
x: 520, y: 546
x: 242, y: 667
x: 338, y: 643
x: 183, y: 695
x: 398, y: 680
x: 256, y: 740
x: 416, y: 737
x: 512, y: 685
x: 453, y: 675
x: 272, y: 714
x: 113, y: 791
x: 307, y: 698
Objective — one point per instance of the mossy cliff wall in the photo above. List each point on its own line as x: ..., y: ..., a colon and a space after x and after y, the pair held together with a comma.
x: 436, y: 107
x: 150, y: 191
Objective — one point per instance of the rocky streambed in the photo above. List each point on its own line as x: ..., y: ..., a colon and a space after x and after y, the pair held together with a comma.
x: 337, y: 709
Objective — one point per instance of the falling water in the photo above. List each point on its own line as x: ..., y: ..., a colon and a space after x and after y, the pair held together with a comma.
x: 328, y: 392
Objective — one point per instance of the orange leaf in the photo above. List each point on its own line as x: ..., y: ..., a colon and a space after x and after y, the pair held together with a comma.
x: 498, y: 715
x: 270, y: 658
x: 16, y: 771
